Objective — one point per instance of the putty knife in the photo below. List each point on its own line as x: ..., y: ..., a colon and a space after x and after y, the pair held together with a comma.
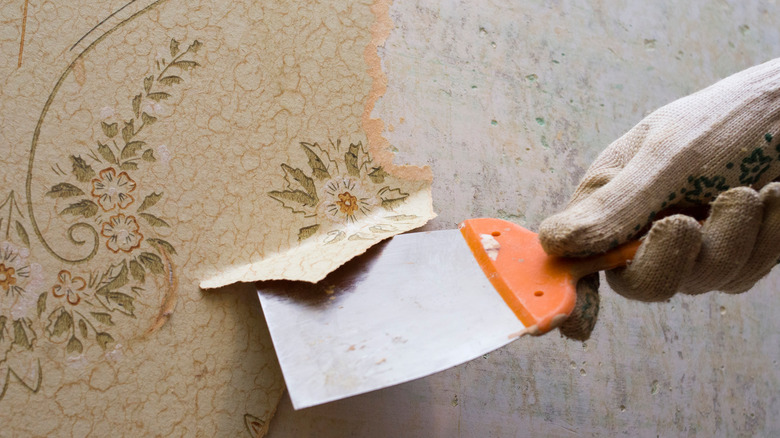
x: 420, y: 303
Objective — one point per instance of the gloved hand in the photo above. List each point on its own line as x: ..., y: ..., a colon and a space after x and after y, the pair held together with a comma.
x: 714, y: 148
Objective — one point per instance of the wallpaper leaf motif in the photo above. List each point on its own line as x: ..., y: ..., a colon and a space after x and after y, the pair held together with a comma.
x: 343, y: 194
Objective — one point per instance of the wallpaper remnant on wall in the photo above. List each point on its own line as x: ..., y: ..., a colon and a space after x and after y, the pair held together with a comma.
x: 148, y: 145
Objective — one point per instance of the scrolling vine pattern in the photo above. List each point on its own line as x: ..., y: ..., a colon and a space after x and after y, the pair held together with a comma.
x: 103, y: 193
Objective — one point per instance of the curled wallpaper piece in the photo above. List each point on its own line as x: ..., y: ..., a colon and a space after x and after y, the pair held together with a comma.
x: 347, y: 202
x: 148, y: 144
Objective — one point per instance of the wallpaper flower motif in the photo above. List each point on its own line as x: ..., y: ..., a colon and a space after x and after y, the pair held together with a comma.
x: 122, y: 232
x: 113, y: 190
x: 19, y: 279
x: 17, y: 273
x: 345, y: 194
x: 345, y: 201
x: 7, y: 277
x: 69, y: 287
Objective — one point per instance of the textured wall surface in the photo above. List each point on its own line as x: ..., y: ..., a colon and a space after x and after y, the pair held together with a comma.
x: 149, y: 144
x: 509, y: 102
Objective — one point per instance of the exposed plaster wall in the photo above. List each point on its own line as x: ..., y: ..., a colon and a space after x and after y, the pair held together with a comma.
x: 509, y: 102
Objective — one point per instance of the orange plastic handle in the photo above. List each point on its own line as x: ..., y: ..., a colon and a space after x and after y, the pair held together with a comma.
x: 540, y: 289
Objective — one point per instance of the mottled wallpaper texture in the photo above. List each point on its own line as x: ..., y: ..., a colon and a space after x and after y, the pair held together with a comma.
x: 152, y: 150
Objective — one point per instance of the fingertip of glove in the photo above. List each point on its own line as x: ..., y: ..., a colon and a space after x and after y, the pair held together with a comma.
x: 571, y: 235
x: 674, y: 224
x: 737, y: 197
x: 678, y: 232
x: 576, y: 231
x: 770, y: 191
x: 579, y: 325
x: 737, y: 289
x: 665, y: 255
x: 556, y: 235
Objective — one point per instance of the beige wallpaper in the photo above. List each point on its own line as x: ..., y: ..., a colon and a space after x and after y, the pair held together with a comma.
x: 152, y: 147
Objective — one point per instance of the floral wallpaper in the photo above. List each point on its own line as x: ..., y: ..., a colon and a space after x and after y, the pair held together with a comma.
x: 152, y: 146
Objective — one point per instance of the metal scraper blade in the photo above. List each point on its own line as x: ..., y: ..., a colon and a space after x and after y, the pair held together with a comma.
x: 410, y: 307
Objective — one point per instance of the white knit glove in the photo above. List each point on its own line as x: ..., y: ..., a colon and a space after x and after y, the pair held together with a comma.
x: 714, y: 148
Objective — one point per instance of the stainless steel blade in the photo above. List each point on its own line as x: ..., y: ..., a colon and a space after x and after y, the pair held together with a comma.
x: 412, y: 306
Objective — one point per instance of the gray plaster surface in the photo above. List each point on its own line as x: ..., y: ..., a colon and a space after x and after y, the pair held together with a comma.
x: 509, y: 102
